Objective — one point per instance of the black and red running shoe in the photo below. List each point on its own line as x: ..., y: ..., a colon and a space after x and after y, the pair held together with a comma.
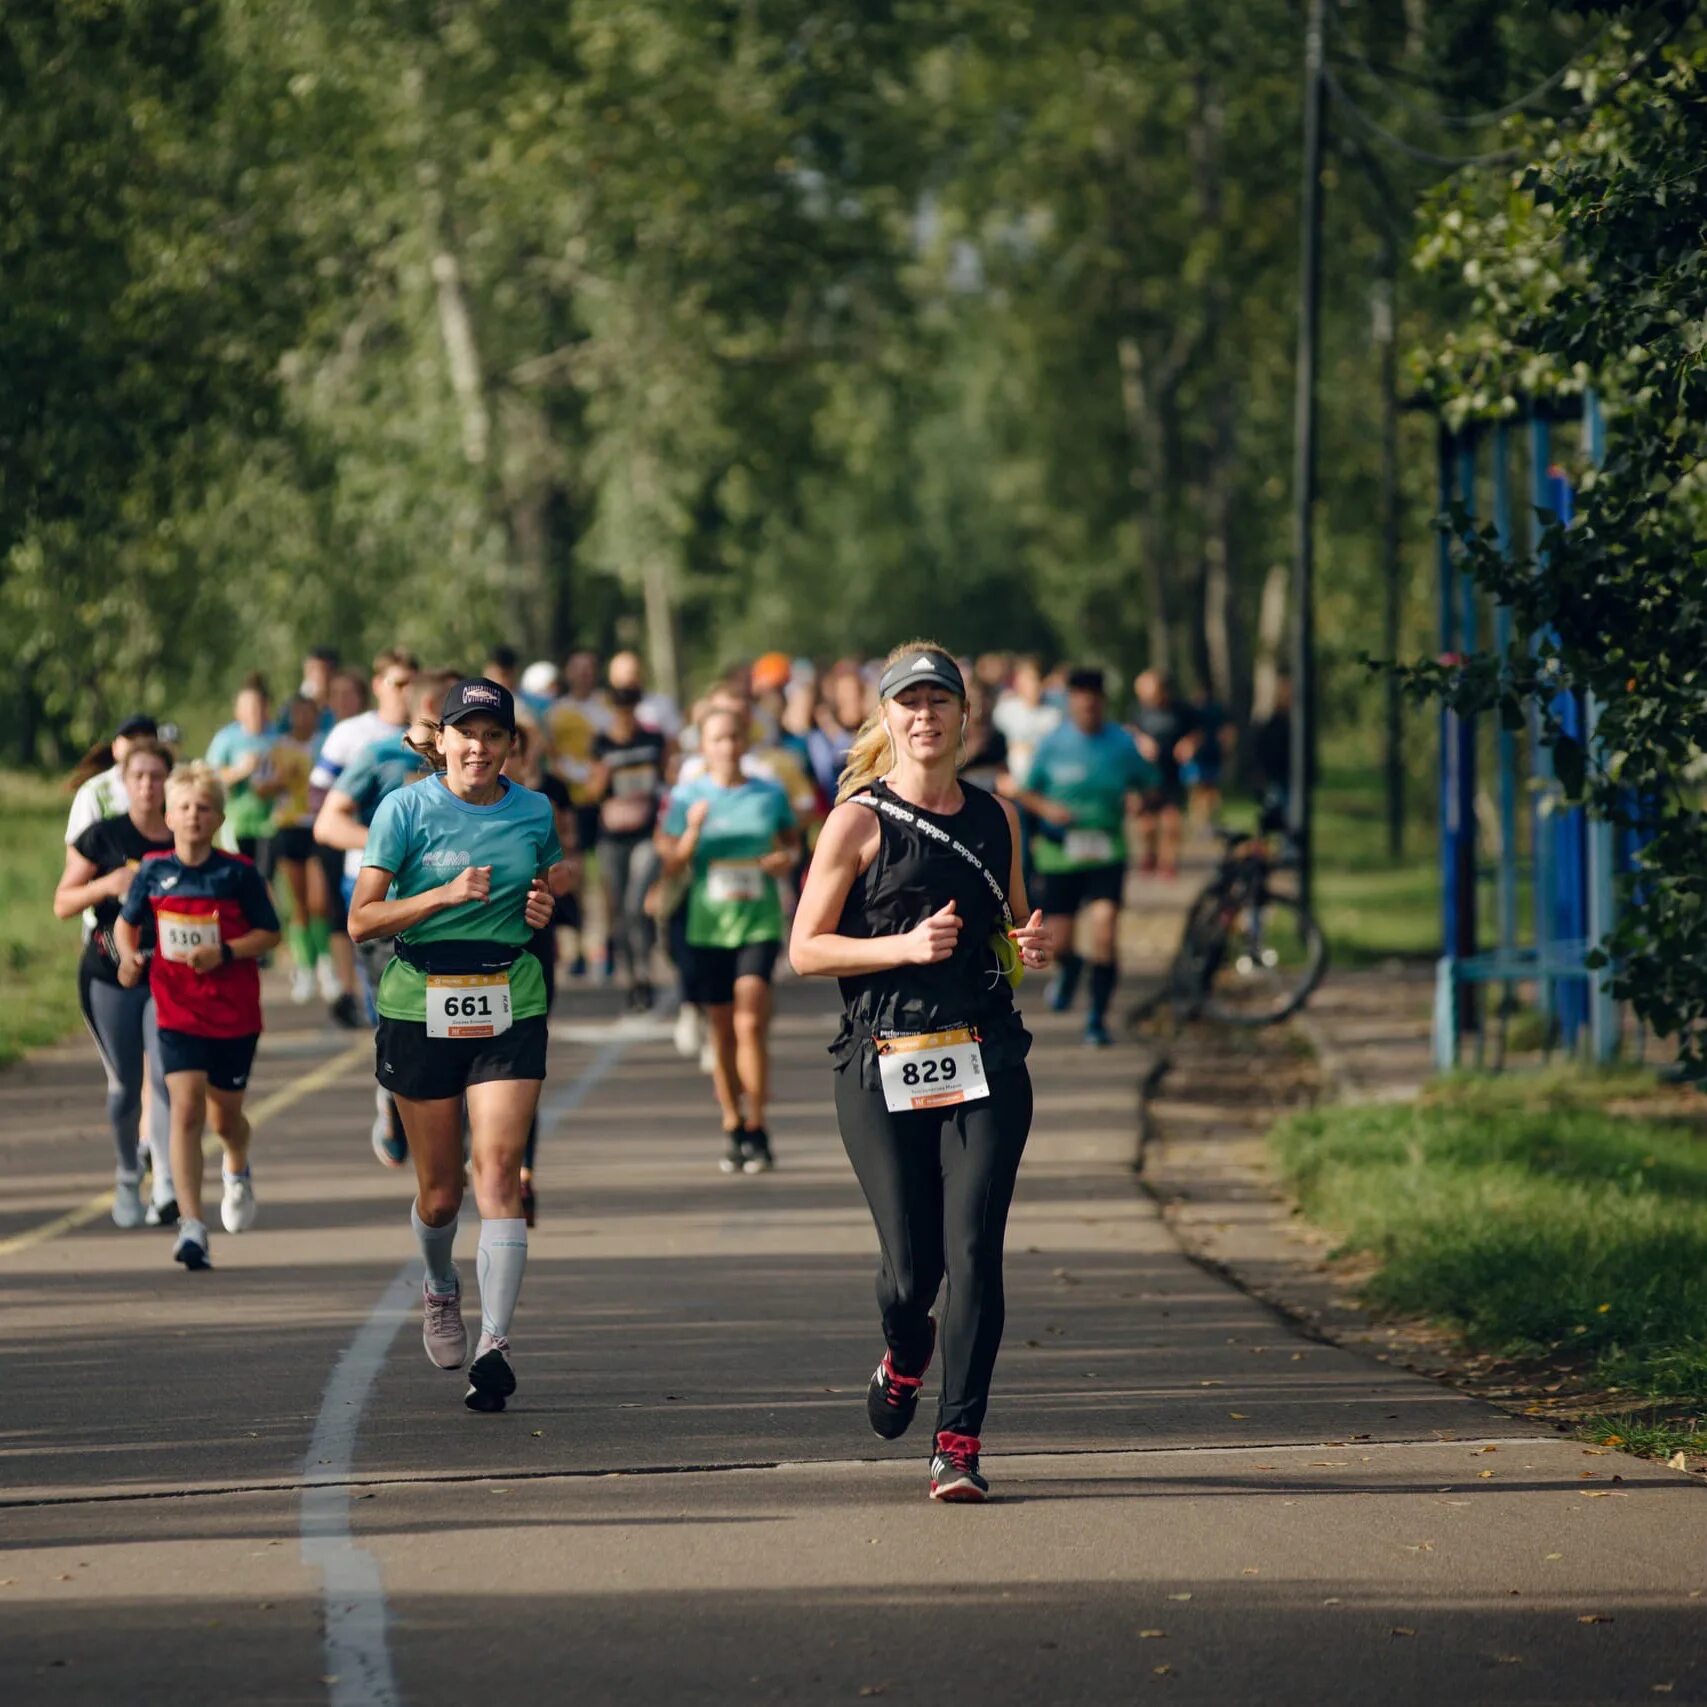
x: 954, y: 1470
x: 892, y: 1397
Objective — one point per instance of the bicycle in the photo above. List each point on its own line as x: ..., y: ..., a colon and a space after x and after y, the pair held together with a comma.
x: 1249, y: 954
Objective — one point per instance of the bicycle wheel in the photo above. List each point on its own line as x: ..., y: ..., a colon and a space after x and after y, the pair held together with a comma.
x: 1201, y: 945
x: 1272, y: 956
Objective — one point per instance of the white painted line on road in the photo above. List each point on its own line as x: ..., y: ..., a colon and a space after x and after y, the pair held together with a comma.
x: 357, y: 1650
x: 358, y: 1656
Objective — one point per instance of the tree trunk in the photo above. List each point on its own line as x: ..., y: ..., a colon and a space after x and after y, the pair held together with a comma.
x: 1149, y: 478
x: 1271, y: 640
x: 462, y: 354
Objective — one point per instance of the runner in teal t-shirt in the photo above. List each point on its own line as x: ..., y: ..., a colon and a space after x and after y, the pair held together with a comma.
x: 734, y: 831
x: 1082, y: 776
x: 454, y: 869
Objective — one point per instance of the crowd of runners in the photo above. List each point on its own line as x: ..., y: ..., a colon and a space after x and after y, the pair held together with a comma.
x: 414, y: 843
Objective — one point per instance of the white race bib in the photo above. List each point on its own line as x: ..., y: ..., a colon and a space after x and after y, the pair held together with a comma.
x: 1089, y: 847
x: 735, y: 880
x: 181, y: 934
x: 931, y: 1069
x: 475, y: 1004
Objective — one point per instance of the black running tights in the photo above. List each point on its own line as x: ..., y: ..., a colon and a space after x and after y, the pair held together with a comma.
x: 939, y: 1183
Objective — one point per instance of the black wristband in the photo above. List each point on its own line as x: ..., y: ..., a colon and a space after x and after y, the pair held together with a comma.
x: 225, y: 955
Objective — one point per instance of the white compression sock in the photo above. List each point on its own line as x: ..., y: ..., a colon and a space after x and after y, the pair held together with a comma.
x: 435, y: 1243
x: 503, y: 1257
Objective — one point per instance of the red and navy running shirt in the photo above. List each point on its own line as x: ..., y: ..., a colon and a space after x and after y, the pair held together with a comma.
x: 215, y: 903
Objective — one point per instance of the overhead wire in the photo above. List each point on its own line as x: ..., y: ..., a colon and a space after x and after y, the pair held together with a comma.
x: 1501, y: 156
x: 1456, y: 121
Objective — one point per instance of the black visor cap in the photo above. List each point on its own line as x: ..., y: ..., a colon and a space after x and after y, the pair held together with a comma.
x: 936, y: 668
x: 479, y: 697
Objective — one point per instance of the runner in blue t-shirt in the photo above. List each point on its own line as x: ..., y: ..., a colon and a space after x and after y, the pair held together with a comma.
x: 455, y: 871
x: 735, y: 834
x: 1082, y: 777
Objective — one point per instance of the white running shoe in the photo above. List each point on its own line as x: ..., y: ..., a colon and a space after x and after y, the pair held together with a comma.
x: 127, y: 1199
x: 327, y: 973
x: 442, y: 1329
x: 689, y: 1031
x: 237, y: 1209
x: 707, y: 1057
x: 191, y: 1248
x: 302, y: 987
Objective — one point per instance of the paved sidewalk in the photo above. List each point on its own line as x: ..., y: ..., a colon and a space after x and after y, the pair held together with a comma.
x: 251, y: 1483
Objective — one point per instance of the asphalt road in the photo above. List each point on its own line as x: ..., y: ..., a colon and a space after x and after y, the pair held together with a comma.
x: 251, y: 1483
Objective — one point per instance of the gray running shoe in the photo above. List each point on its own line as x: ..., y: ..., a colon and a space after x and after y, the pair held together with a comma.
x: 127, y: 1200
x: 442, y: 1332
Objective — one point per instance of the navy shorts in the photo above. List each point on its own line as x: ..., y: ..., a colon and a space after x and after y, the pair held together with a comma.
x: 409, y: 1063
x: 225, y: 1060
x: 708, y: 978
x: 1062, y: 893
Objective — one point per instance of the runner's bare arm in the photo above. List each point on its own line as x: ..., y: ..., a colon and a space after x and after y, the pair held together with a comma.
x: 847, y: 846
x: 336, y: 824
x: 80, y: 886
x: 372, y: 916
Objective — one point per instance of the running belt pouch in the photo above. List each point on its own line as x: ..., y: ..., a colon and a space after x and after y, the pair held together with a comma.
x: 454, y: 959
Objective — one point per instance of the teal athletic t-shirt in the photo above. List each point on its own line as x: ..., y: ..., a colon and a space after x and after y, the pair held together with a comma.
x: 1092, y: 776
x: 732, y: 903
x: 246, y: 812
x: 424, y: 836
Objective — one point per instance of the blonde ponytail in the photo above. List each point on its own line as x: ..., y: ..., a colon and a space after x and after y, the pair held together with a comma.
x: 873, y: 751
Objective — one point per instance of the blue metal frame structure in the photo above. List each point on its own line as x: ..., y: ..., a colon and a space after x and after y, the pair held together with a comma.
x: 1572, y: 861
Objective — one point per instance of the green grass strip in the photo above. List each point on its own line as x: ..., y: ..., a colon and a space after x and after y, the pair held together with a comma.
x: 1529, y: 1216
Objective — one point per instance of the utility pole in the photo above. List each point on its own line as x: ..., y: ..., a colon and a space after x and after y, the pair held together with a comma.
x: 1303, y: 755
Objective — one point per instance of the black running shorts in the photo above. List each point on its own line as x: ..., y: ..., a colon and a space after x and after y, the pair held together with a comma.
x: 708, y: 977
x: 1062, y: 893
x: 225, y: 1060
x: 409, y: 1063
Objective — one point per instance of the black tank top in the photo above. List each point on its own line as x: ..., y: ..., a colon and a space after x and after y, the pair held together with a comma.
x: 911, y: 876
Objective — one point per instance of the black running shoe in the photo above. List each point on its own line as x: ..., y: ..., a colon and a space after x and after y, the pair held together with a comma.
x: 892, y: 1398
x: 347, y: 1012
x: 954, y: 1470
x: 734, y: 1154
x: 756, y: 1157
x: 491, y: 1380
x: 161, y: 1214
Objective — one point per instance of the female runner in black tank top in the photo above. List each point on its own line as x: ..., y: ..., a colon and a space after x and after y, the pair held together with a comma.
x: 914, y: 875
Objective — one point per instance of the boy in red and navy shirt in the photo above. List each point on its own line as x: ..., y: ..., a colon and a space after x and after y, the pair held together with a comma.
x: 213, y: 920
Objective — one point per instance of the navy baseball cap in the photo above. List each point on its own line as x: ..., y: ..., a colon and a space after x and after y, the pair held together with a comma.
x: 139, y: 724
x: 479, y: 697
x: 925, y: 665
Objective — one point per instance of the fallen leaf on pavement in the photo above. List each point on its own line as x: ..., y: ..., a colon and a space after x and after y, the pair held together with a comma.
x: 1484, y: 1475
x: 1594, y: 1618
x: 1162, y: 1671
x: 1595, y: 1452
x: 1250, y: 1571
x: 1402, y: 1630
x: 1600, y: 1494
x: 1179, y: 1597
x: 1245, y: 1416
x: 1555, y: 1555
x: 1333, y: 1600
x: 1151, y: 1635
x: 1677, y: 1461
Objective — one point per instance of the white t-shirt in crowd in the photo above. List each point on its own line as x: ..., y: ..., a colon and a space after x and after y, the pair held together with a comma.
x: 346, y: 742
x: 102, y: 796
x: 1025, y: 725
